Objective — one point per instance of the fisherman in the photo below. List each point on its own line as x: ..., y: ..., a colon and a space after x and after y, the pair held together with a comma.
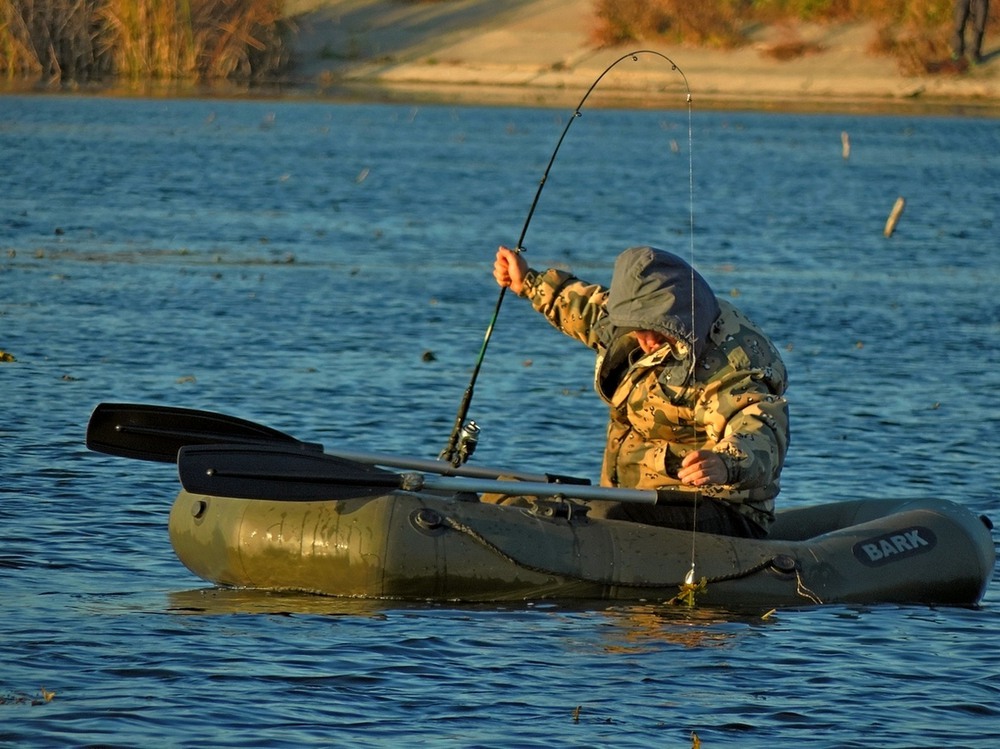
x: 695, y: 389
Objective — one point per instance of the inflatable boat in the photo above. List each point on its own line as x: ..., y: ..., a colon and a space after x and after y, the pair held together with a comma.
x: 417, y: 545
x: 276, y: 514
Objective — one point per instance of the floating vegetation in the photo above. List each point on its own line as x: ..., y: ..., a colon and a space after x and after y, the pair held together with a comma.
x: 688, y: 591
x: 41, y: 698
x: 151, y: 255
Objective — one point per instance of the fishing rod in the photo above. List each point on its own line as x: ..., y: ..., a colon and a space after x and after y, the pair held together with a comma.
x: 465, y: 434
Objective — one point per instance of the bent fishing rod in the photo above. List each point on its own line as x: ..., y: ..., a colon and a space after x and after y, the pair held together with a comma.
x: 465, y: 435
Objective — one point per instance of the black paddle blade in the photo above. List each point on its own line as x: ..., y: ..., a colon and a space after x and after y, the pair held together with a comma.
x: 156, y: 433
x: 275, y: 473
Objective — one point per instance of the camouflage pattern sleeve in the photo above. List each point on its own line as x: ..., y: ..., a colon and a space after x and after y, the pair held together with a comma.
x: 572, y: 306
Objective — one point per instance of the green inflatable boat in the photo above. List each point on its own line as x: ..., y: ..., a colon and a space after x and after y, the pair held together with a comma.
x: 268, y: 512
x: 418, y: 545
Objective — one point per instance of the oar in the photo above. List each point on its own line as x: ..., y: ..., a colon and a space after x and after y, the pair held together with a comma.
x: 144, y: 432
x: 276, y: 473
x: 147, y: 432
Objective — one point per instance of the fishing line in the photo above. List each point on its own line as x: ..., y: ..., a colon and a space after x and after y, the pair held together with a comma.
x: 464, y: 435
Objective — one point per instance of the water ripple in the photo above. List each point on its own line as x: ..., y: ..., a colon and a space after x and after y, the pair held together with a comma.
x: 256, y: 272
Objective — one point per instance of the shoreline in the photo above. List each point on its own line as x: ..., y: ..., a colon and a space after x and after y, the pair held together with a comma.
x: 538, y: 53
x: 498, y: 95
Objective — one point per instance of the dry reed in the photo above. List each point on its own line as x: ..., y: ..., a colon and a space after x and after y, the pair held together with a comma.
x: 192, y: 40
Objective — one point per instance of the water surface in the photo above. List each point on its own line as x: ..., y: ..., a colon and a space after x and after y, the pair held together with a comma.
x: 295, y: 264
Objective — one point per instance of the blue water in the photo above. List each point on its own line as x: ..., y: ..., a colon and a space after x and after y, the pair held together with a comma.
x: 296, y: 264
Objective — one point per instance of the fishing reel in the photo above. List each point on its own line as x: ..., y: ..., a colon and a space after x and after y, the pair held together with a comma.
x: 462, y: 443
x: 468, y: 438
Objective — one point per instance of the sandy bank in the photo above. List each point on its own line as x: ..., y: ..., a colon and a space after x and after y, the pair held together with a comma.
x: 538, y: 53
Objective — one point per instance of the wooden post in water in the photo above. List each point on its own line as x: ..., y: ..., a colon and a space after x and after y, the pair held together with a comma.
x: 897, y: 211
x: 845, y: 143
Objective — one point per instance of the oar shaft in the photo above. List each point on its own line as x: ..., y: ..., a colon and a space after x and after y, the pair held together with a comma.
x: 444, y: 468
x: 534, y: 488
x: 281, y: 474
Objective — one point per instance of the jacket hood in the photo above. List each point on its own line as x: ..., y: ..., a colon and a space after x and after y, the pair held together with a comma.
x: 653, y: 289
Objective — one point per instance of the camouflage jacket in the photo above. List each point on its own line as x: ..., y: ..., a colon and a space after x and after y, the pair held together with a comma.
x: 661, y: 407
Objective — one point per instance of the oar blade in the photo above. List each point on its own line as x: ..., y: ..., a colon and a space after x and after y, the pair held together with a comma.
x: 156, y: 433
x: 275, y: 473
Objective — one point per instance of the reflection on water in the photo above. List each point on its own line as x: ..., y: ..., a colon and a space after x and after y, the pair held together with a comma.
x: 634, y: 624
x: 638, y: 629
x: 211, y: 601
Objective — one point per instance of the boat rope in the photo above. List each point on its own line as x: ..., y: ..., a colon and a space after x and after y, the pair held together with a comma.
x: 452, y: 451
x: 760, y: 566
x: 803, y: 591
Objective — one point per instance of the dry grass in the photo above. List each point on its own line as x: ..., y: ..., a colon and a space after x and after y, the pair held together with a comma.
x: 915, y: 32
x: 713, y: 24
x: 791, y: 49
x: 193, y: 40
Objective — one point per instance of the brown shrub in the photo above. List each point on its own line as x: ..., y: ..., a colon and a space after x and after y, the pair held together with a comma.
x: 915, y: 32
x: 712, y: 24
